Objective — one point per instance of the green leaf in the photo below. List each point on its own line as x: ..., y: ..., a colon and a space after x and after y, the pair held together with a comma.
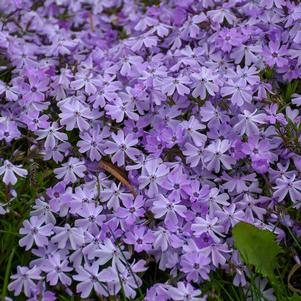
x: 257, y: 247
x: 291, y: 89
x: 295, y: 298
x: 7, y: 273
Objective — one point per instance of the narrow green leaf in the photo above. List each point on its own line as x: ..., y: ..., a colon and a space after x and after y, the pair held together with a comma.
x: 7, y: 273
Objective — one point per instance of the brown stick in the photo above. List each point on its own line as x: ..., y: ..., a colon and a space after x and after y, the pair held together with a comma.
x: 91, y: 22
x: 118, y: 174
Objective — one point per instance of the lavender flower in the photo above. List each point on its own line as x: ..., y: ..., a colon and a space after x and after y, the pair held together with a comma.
x: 153, y: 176
x: 9, y: 172
x: 133, y: 209
x: 169, y: 209
x: 56, y: 270
x: 122, y: 146
x: 71, y: 170
x: 35, y: 231
x: 288, y: 186
x: 68, y: 236
x: 24, y: 280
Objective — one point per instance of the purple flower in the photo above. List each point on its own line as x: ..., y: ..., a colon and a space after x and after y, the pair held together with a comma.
x: 211, y: 226
x: 289, y: 186
x: 175, y: 184
x: 130, y: 63
x: 153, y: 176
x: 194, y: 154
x: 24, y: 280
x: 272, y: 115
x: 121, y: 107
x: 58, y: 152
x: 155, y: 143
x: 214, y: 155
x: 108, y: 251
x: 34, y: 121
x: 270, y: 3
x: 196, y: 192
x: 266, y: 293
x: 112, y: 195
x: 248, y: 52
x: 33, y: 92
x: 86, y: 81
x: 237, y: 183
x: 41, y: 292
x: 90, y: 219
x: 165, y: 238
x: 68, y: 236
x: 228, y: 38
x: 259, y: 151
x: 219, y: 15
x: 215, y: 200
x: 195, y: 266
x: 56, y: 270
x: 133, y: 209
x: 169, y: 209
x: 205, y: 83
x: 42, y: 210
x: 192, y: 127
x: 93, y: 142
x: 252, y: 206
x: 141, y: 238
x: 179, y: 84
x: 239, y: 91
x: 8, y: 130
x: 230, y: 216
x: 218, y: 253
x: 90, y: 278
x: 35, y: 232
x: 75, y: 115
x: 184, y: 292
x: 71, y: 170
x: 9, y: 172
x: 122, y: 145
x: 248, y: 122
x: 275, y: 54
x: 52, y: 135
x: 11, y: 93
x: 172, y: 136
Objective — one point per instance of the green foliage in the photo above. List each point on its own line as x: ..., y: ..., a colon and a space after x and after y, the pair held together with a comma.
x: 291, y: 88
x: 147, y: 3
x: 290, y: 134
x: 7, y: 273
x: 294, y: 298
x: 266, y: 74
x: 257, y: 248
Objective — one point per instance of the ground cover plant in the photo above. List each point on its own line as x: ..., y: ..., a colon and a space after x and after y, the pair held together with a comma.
x: 150, y: 150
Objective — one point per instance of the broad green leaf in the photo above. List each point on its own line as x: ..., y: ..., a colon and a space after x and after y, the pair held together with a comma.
x: 257, y: 247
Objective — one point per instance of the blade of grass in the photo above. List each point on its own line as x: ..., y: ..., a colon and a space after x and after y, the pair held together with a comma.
x: 7, y: 273
x: 121, y: 284
x: 9, y: 232
x: 225, y: 291
x: 294, y: 238
x: 127, y: 265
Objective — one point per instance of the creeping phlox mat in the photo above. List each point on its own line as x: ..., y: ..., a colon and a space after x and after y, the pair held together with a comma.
x: 139, y: 134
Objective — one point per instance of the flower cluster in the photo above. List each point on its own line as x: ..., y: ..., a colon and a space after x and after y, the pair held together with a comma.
x: 182, y: 97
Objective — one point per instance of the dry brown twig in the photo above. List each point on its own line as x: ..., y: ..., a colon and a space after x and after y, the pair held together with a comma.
x: 118, y: 174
